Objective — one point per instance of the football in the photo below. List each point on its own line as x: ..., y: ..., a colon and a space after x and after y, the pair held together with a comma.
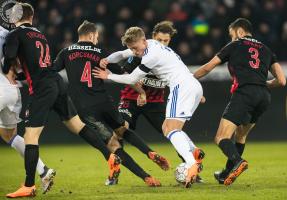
x: 181, y: 173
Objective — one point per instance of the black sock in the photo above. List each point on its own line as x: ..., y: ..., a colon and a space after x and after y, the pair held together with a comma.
x: 31, y: 156
x: 129, y: 163
x: 132, y: 138
x: 92, y: 137
x: 229, y: 149
x: 240, y: 148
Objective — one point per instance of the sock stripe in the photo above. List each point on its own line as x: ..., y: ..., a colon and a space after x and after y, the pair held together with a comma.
x: 172, y: 133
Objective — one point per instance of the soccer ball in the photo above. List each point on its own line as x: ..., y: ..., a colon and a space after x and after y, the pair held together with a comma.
x: 181, y: 173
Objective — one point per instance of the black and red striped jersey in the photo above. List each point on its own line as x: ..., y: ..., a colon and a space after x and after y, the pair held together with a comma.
x: 249, y: 61
x: 154, y: 87
x: 31, y: 47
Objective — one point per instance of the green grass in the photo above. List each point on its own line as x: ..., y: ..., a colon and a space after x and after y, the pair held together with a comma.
x: 81, y: 172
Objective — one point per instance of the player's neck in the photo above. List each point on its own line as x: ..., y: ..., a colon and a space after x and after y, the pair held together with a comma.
x: 17, y: 24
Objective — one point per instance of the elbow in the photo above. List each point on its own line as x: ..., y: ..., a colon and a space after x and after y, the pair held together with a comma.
x: 282, y: 82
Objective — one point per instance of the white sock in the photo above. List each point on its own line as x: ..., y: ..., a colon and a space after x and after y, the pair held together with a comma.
x: 17, y: 142
x: 182, y: 144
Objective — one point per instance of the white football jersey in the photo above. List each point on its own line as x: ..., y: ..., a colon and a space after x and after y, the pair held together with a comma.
x: 164, y: 63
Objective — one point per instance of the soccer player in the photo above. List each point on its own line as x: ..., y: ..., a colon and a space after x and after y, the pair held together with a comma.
x: 94, y: 105
x: 249, y: 61
x: 10, y: 108
x: 148, y: 99
x: 185, y: 91
x: 46, y: 92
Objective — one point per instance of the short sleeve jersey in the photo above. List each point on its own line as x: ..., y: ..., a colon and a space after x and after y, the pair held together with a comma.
x: 249, y: 61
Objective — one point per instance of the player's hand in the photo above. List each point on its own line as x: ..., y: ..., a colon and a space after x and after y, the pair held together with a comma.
x: 141, y: 100
x: 99, y: 73
x: 203, y: 99
x: 103, y: 63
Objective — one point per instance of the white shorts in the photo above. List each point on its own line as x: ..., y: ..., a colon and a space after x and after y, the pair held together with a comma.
x: 183, y: 99
x: 10, y: 105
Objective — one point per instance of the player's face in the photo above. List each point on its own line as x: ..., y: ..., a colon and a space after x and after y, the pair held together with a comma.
x: 94, y: 37
x: 138, y: 47
x: 163, y: 38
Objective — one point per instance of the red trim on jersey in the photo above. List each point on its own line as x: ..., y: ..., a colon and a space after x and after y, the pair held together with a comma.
x: 154, y: 95
x: 234, y: 85
x: 28, y: 78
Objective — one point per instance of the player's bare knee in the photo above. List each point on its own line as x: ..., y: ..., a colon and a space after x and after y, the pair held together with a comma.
x: 7, y: 134
x: 75, y: 124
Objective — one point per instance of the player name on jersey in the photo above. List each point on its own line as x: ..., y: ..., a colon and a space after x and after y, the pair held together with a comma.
x: 87, y: 48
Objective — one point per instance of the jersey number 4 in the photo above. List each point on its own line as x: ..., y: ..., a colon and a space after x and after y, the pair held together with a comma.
x: 254, y: 55
x: 87, y: 74
x: 44, y: 62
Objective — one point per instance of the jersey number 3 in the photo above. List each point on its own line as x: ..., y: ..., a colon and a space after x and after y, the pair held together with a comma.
x: 44, y: 62
x: 87, y: 74
x: 254, y: 55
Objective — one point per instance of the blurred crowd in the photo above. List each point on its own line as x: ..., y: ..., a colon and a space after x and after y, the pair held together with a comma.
x: 202, y: 24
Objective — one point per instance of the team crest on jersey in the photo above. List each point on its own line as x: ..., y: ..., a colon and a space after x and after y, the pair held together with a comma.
x: 27, y: 113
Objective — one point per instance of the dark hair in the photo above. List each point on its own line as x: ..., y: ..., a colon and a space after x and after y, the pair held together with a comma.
x: 243, y: 23
x: 28, y: 11
x: 164, y: 27
x: 87, y: 27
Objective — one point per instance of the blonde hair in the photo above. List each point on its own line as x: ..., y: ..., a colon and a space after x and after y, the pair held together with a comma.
x: 133, y: 34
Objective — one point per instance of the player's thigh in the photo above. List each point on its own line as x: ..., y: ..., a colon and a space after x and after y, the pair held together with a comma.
x: 184, y: 99
x: 130, y: 112
x: 155, y: 114
x: 65, y: 108
x: 39, y: 105
x: 238, y: 109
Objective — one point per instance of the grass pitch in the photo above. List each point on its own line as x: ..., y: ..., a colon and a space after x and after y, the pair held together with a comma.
x: 81, y: 172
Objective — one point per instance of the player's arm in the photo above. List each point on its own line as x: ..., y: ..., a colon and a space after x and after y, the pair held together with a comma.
x: 206, y: 68
x: 279, y: 76
x: 115, y: 57
x: 10, y: 51
x: 221, y: 57
x: 59, y: 62
x: 132, y: 78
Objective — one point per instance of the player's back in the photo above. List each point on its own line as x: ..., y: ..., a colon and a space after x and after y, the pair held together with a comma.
x: 249, y: 61
x: 79, y: 59
x: 32, y: 49
x: 164, y: 63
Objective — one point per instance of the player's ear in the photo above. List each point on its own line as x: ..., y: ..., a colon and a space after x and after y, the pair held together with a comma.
x: 240, y: 32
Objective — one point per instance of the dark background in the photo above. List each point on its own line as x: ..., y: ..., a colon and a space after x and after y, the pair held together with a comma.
x: 202, y: 127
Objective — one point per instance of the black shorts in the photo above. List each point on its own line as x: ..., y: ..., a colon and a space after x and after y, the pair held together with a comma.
x: 103, y: 117
x: 153, y: 112
x: 247, y: 104
x: 48, y: 94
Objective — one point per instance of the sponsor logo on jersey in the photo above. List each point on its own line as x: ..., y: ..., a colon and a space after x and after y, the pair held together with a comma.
x: 151, y: 82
